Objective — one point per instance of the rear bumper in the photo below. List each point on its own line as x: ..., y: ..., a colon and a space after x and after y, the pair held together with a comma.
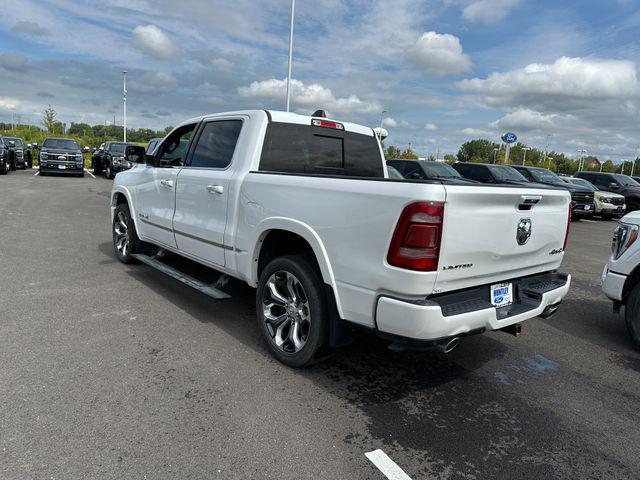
x: 470, y: 310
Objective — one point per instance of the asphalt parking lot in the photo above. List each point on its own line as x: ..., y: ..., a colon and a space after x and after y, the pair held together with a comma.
x: 116, y: 371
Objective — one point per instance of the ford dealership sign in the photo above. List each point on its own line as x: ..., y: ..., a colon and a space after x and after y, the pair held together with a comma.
x: 509, y: 137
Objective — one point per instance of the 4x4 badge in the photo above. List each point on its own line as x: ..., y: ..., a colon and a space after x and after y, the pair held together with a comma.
x: 523, y: 233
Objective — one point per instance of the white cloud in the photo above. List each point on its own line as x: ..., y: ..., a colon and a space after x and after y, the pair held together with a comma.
x: 566, y: 84
x: 389, y: 122
x: 439, y: 54
x: 153, y: 82
x: 488, y: 11
x: 431, y: 127
x: 525, y: 120
x: 308, y: 97
x: 154, y: 41
x: 476, y: 132
x: 9, y: 103
x: 221, y: 63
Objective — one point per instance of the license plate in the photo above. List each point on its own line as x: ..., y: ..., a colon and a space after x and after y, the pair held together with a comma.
x: 502, y: 294
x: 62, y: 167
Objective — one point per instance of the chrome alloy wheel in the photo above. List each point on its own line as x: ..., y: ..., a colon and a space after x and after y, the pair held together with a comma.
x: 121, y: 231
x: 286, y: 311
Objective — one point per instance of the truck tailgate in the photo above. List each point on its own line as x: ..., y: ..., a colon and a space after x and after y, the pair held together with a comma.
x: 482, y: 224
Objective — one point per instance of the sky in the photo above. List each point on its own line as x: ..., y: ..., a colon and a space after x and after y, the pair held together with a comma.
x: 556, y: 73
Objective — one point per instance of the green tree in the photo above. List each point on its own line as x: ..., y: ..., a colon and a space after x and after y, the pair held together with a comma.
x: 408, y: 153
x: 391, y: 152
x: 49, y: 118
x: 478, y: 151
x: 450, y: 158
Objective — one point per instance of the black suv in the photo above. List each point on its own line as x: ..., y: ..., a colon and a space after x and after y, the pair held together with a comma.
x: 109, y: 159
x: 581, y: 197
x: 5, y: 163
x: 61, y: 155
x: 618, y: 183
x: 490, y: 173
x: 426, y: 170
x: 20, y: 154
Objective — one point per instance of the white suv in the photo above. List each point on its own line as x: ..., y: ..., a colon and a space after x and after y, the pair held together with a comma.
x: 621, y: 275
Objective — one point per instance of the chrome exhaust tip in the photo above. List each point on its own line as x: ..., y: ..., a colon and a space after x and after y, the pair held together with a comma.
x: 449, y: 345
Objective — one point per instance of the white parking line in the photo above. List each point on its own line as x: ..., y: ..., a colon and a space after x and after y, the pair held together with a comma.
x: 590, y: 221
x: 92, y: 175
x: 387, y: 466
x: 37, y: 173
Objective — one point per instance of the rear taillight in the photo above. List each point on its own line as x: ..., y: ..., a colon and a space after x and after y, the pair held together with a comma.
x: 416, y: 241
x: 566, y: 235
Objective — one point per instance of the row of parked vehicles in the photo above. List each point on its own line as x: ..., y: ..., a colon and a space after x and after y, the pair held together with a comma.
x: 605, y: 195
x: 14, y: 154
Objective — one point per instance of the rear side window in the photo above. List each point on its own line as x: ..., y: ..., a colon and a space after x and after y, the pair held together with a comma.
x: 216, y: 144
x: 291, y: 148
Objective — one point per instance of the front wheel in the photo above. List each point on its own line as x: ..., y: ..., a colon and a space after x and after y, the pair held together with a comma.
x: 107, y: 172
x: 291, y: 310
x: 632, y: 315
x: 125, y: 237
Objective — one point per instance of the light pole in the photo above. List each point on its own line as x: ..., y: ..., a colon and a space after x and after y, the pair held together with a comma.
x: 124, y: 101
x: 580, y: 159
x: 495, y: 153
x: 524, y: 157
x: 293, y: 9
x: 381, y: 115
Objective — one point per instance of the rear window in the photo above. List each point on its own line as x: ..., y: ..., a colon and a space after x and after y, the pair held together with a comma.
x: 292, y: 148
x: 503, y: 172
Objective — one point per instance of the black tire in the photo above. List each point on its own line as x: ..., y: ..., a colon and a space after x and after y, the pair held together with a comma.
x: 96, y: 168
x: 607, y: 216
x: 134, y: 243
x: 314, y: 331
x: 107, y: 172
x: 632, y: 314
x: 632, y: 207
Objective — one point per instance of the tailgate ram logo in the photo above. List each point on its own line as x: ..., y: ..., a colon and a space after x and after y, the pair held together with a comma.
x: 523, y: 233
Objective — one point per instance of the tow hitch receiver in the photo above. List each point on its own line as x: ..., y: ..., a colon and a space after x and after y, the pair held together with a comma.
x: 515, y: 329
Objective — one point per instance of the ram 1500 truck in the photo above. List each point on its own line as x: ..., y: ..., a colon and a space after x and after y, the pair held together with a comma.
x: 301, y: 208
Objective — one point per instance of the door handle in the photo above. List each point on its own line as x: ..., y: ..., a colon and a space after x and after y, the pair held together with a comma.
x: 167, y: 183
x: 219, y: 189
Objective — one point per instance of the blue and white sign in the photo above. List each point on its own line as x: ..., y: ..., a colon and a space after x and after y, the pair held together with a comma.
x: 509, y: 137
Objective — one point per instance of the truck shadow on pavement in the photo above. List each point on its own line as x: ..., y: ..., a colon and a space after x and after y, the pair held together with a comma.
x: 442, y: 415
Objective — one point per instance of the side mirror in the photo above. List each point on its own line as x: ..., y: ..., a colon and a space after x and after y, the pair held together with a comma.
x: 134, y: 154
x: 35, y: 144
x: 613, y: 186
x: 28, y: 145
x: 85, y: 149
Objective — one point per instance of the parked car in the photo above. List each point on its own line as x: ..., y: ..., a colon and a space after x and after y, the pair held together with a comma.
x: 490, y: 173
x: 151, y: 146
x: 5, y: 164
x: 621, y: 274
x: 581, y: 197
x: 606, y: 204
x: 426, y: 170
x: 61, y: 156
x: 109, y: 159
x: 18, y: 152
x: 618, y: 183
x: 297, y: 207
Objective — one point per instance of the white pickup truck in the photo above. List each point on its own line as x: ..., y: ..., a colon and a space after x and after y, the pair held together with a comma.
x: 301, y: 208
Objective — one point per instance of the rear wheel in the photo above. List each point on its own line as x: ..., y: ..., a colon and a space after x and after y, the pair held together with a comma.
x: 107, y: 172
x: 291, y: 310
x: 125, y: 237
x: 633, y: 206
x: 632, y: 315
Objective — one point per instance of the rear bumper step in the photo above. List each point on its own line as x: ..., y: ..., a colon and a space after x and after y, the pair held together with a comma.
x: 468, y: 311
x: 205, y: 288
